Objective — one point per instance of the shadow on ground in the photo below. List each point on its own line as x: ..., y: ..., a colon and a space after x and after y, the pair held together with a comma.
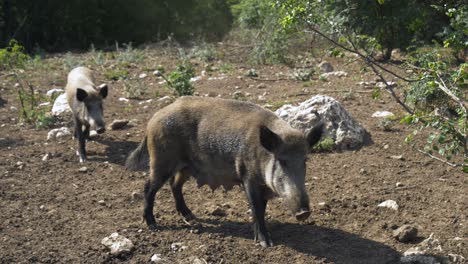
x: 332, y: 244
x: 117, y: 151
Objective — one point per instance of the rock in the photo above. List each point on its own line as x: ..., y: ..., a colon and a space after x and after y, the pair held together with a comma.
x: 397, y: 157
x: 252, y: 73
x: 101, y: 202
x: 117, y: 124
x: 58, y: 132
x: 325, y: 66
x: 261, y: 86
x: 399, y: 184
x: 44, y: 104
x: 362, y: 171
x: 137, y: 195
x: 383, y: 114
x: 142, y: 76
x: 218, y: 212
x: 389, y: 204
x: 382, y: 85
x: 415, y: 255
x: 178, y: 246
x: 83, y: 169
x: 166, y: 100
x: 334, y: 74
x: 123, y: 99
x: 117, y: 244
x: 262, y: 98
x: 405, y: 233
x: 156, y: 258
x: 455, y: 258
x: 53, y: 91
x: 196, y: 78
x: 339, y: 125
x: 60, y: 105
x: 431, y: 243
x: 198, y: 261
x: 157, y: 73
x: 46, y: 157
x: 13, y: 108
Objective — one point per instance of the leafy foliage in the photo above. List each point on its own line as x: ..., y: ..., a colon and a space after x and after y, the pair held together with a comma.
x: 179, y: 80
x: 60, y: 25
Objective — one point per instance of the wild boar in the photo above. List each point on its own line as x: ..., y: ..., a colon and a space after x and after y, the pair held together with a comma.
x: 225, y: 142
x: 85, y: 100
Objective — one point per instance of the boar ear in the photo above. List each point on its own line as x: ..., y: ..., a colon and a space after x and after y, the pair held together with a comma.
x: 315, y: 134
x: 103, y: 90
x: 81, y: 94
x: 269, y: 139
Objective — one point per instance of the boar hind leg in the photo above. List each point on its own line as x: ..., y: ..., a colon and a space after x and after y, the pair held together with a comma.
x: 176, y: 186
x: 81, y: 136
x: 158, y: 176
x: 258, y: 205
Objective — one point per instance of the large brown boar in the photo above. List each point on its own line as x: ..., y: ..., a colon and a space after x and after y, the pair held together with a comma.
x: 85, y: 100
x: 225, y: 142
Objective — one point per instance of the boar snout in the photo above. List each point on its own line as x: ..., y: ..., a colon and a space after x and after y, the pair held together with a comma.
x: 100, y: 130
x: 303, y: 214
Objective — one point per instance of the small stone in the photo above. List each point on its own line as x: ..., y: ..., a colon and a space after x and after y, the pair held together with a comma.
x: 53, y: 91
x: 58, y: 132
x: 261, y: 86
x: 13, y: 108
x: 399, y: 184
x: 325, y: 66
x: 142, y: 76
x: 83, y: 169
x: 397, y: 157
x: 362, y: 171
x: 60, y: 105
x: 101, y: 202
x: 386, y: 146
x: 405, y: 233
x: 157, y: 73
x: 117, y: 124
x: 383, y: 114
x: 137, y: 195
x: 389, y: 204
x: 218, y: 212
x: 156, y: 258
x: 197, y: 261
x: 123, y: 99
x: 178, y: 246
x: 117, y: 244
x: 261, y: 98
x: 46, y: 157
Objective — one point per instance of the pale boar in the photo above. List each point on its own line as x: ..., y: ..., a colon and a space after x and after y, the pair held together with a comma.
x: 85, y: 100
x: 225, y: 142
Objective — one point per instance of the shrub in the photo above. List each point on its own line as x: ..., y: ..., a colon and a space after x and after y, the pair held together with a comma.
x: 179, y: 80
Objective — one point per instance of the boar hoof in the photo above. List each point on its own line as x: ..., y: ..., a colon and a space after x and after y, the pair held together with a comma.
x: 302, y: 215
x: 189, y: 219
x: 266, y: 243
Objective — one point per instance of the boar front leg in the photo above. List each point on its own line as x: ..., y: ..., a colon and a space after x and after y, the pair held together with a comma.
x: 258, y: 205
x: 81, y: 136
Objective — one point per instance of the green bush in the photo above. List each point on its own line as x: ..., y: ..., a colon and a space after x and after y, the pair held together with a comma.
x: 179, y: 80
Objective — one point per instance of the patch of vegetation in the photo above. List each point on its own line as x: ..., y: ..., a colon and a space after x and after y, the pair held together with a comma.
x: 205, y: 52
x: 134, y: 89
x: 303, y: 74
x: 226, y: 68
x: 116, y: 74
x: 386, y: 124
x: 326, y: 144
x: 14, y: 58
x: 179, y: 80
x: 128, y: 54
x: 70, y: 61
x: 348, y: 95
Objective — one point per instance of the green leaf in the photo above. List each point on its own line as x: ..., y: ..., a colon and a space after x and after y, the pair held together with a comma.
x: 465, y: 169
x: 381, y: 2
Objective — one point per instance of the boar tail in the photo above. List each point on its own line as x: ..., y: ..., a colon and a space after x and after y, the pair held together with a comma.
x: 139, y: 158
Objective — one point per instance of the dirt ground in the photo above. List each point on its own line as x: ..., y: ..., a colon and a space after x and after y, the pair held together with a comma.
x: 53, y: 213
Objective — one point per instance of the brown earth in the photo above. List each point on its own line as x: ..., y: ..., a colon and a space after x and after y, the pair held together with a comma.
x: 51, y: 212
